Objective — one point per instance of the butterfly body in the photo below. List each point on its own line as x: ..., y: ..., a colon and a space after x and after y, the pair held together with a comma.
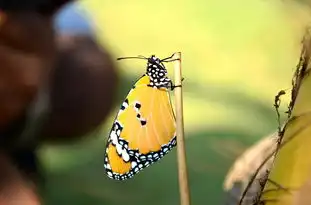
x: 144, y: 129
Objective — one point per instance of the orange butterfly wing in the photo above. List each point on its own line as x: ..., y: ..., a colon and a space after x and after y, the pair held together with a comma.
x: 143, y: 132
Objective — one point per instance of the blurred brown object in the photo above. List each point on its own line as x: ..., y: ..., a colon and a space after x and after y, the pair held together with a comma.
x: 25, y: 64
x: 81, y: 85
x: 82, y: 89
x: 245, y: 167
x: 15, y: 190
x: 27, y: 50
x: 76, y: 75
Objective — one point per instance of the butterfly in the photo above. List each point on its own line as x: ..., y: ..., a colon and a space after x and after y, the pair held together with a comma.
x: 144, y: 129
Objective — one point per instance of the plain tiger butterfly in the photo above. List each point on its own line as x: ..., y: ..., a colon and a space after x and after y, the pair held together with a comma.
x: 144, y: 129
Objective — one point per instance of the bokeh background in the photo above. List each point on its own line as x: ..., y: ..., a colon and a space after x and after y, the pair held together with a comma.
x: 236, y: 56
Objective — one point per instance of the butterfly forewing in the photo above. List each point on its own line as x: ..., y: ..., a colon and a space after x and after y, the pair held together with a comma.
x: 143, y: 132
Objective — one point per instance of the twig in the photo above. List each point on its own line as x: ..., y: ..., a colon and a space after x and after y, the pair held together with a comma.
x: 277, y: 103
x: 181, y: 153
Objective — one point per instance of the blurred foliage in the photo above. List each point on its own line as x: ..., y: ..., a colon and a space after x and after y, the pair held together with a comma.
x: 291, y: 167
x: 306, y: 2
x: 236, y: 56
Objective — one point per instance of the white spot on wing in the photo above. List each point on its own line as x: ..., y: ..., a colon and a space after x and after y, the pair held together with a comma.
x: 125, y: 105
x: 119, y: 148
x: 125, y: 155
x: 108, y: 166
x: 114, y: 137
x: 134, y: 164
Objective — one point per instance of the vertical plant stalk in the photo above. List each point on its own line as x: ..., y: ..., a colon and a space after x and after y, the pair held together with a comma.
x: 292, y: 165
x: 181, y: 152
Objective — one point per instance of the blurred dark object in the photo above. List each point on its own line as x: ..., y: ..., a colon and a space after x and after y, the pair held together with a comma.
x: 25, y: 65
x: 73, y: 75
x: 82, y: 88
x: 44, y: 7
x: 15, y: 190
x: 27, y: 50
x: 84, y: 81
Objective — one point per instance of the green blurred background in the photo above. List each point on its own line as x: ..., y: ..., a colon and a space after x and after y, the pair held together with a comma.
x: 236, y: 56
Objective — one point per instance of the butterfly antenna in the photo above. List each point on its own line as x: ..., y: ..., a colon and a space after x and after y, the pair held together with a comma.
x: 134, y: 57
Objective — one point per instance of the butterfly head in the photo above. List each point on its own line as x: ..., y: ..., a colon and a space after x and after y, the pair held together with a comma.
x: 156, y: 72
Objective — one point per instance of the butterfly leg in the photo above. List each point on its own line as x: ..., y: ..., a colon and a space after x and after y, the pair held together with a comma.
x: 171, y: 85
x: 169, y: 59
x: 175, y: 86
x: 165, y: 59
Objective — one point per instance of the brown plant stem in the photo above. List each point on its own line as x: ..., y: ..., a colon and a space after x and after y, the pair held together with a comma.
x: 181, y: 153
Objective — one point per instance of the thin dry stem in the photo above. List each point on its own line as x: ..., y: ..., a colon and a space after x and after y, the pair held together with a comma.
x: 181, y: 153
